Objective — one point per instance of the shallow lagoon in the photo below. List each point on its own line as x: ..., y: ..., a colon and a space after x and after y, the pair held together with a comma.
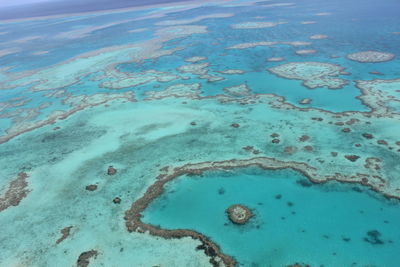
x: 295, y: 221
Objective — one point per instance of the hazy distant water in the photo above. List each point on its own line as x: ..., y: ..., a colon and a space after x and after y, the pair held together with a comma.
x: 73, y: 6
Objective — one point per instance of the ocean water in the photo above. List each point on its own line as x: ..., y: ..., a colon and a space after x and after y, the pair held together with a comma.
x: 186, y: 96
x: 294, y: 220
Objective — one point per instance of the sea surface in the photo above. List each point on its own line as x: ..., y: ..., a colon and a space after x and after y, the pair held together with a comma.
x: 128, y: 126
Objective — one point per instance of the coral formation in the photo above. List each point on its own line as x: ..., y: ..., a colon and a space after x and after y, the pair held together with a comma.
x: 318, y: 36
x: 306, y: 52
x: 239, y: 214
x: 256, y: 25
x: 65, y: 233
x: 313, y: 74
x: 84, y: 258
x: 239, y: 90
x: 371, y: 56
x: 16, y: 191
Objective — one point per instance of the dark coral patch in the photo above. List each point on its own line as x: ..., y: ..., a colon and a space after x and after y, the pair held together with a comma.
x: 111, y: 170
x: 317, y: 119
x: 367, y: 135
x: 382, y: 142
x: 84, y: 258
x: 374, y: 237
x: 91, y: 187
x: 221, y: 191
x: 304, y: 183
x: 304, y: 138
x: 65, y: 233
x: 17, y: 190
x: 352, y: 158
x: 248, y: 148
x: 290, y: 149
x: 308, y: 148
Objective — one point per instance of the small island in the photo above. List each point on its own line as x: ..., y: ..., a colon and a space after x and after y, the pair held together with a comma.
x: 239, y: 214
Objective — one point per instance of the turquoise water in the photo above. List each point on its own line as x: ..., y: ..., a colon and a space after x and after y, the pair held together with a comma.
x: 82, y: 92
x: 294, y: 220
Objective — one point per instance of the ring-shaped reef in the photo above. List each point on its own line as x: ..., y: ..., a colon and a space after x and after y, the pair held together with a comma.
x: 292, y: 214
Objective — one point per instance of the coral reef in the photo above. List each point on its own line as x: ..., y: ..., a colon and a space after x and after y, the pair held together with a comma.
x: 195, y: 68
x: 251, y: 45
x: 232, y: 71
x: 275, y: 59
x: 239, y: 214
x: 91, y: 187
x: 125, y: 80
x: 256, y: 25
x: 177, y: 90
x: 133, y: 215
x: 379, y: 95
x: 239, y: 90
x: 313, y: 74
x: 195, y: 59
x: 318, y: 36
x: 193, y: 20
x: 16, y: 191
x: 76, y: 103
x: 306, y: 52
x: 84, y: 258
x: 305, y: 101
x: 111, y: 170
x: 371, y: 56
x: 65, y: 232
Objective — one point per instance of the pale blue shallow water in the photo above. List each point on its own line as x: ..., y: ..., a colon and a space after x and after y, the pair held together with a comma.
x: 320, y: 225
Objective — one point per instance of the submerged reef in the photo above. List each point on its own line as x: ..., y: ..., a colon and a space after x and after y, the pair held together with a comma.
x: 16, y: 191
x: 318, y: 36
x: 146, y: 88
x: 195, y: 59
x: 256, y: 25
x: 196, y: 19
x: 239, y: 90
x: 267, y: 44
x: 306, y: 52
x: 313, y: 74
x: 65, y: 232
x: 122, y: 80
x: 380, y: 94
x: 84, y: 258
x: 195, y: 68
x: 251, y: 45
x: 275, y: 59
x: 177, y: 90
x: 74, y: 104
x: 371, y: 57
x: 232, y: 71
